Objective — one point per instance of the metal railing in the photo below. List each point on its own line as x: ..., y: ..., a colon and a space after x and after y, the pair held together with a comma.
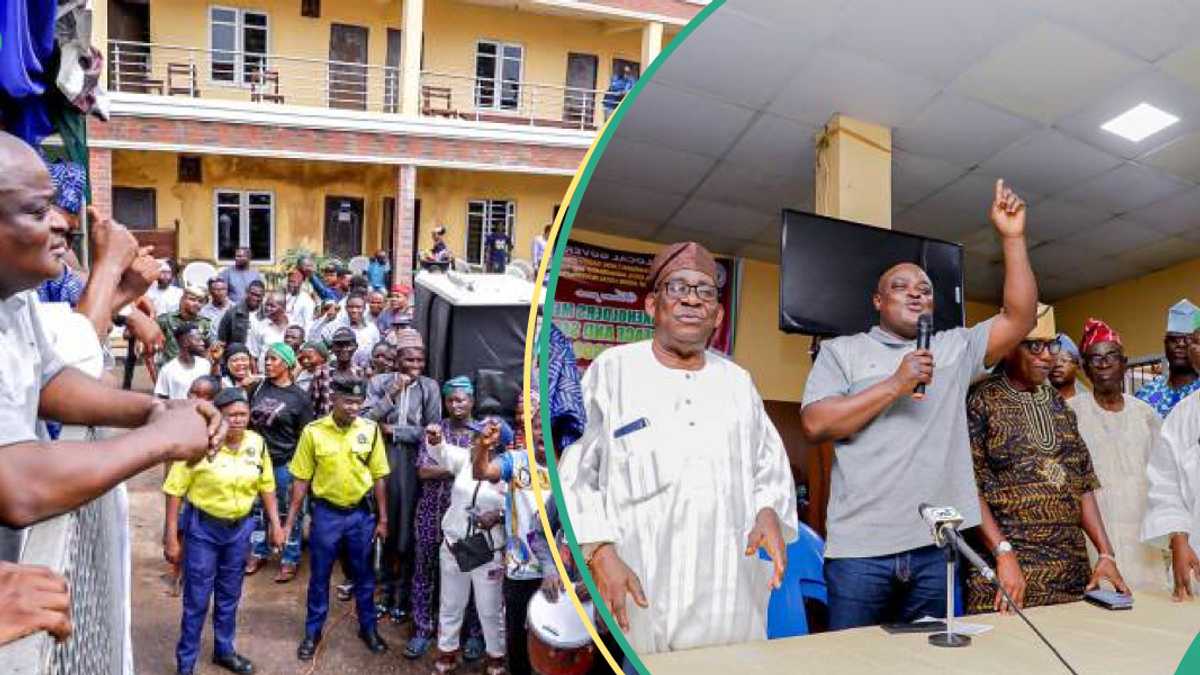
x: 1142, y: 371
x: 172, y: 70
x: 87, y: 547
x: 485, y: 99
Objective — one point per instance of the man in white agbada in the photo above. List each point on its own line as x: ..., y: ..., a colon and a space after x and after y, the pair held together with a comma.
x: 1173, y: 501
x: 1119, y: 431
x: 680, y: 477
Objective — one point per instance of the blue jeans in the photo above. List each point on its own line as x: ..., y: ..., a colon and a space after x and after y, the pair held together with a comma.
x: 283, y: 496
x: 896, y: 588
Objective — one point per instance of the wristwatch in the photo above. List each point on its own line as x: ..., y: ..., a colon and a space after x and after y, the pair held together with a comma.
x: 1002, y: 548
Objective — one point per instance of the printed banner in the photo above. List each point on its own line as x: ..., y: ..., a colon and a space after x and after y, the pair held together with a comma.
x: 601, y: 296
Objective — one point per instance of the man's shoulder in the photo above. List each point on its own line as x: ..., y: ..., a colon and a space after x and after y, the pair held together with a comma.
x: 1139, y: 406
x: 619, y: 353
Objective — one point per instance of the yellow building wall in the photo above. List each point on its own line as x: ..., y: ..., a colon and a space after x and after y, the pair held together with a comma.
x: 300, y: 188
x: 451, y: 31
x: 778, y: 362
x: 1137, y: 308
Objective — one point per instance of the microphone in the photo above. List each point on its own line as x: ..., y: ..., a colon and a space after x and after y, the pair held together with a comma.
x: 940, y: 519
x: 924, y: 334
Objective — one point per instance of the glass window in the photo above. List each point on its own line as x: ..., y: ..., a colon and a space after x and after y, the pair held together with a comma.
x: 239, y: 41
x: 256, y: 210
x: 498, y: 75
x: 483, y: 217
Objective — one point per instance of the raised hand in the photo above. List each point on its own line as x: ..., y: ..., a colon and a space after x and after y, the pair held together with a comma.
x: 1008, y: 211
x: 433, y: 435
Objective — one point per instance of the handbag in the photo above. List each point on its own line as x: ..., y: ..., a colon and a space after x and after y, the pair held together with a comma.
x: 474, y: 550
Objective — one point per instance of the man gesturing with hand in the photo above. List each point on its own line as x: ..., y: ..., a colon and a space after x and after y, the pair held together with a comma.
x: 895, y: 450
x: 680, y: 477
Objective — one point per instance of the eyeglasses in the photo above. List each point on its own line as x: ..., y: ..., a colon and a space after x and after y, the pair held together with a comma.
x: 678, y: 289
x: 1036, y: 347
x: 1105, y: 359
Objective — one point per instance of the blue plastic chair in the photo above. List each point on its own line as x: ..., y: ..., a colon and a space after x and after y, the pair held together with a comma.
x: 803, y: 578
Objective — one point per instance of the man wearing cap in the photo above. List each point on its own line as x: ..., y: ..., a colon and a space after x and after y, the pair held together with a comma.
x: 1064, y: 375
x: 189, y: 312
x: 895, y: 449
x: 163, y: 294
x: 343, y: 344
x: 404, y: 402
x: 1168, y: 389
x: 680, y: 477
x: 1037, y: 485
x: 398, y: 313
x: 1119, y: 431
x: 1172, y: 521
x: 341, y: 458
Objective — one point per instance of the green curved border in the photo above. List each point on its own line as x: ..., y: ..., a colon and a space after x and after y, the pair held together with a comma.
x: 543, y: 346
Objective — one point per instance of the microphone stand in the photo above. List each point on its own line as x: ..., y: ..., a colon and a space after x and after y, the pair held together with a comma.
x: 949, y: 638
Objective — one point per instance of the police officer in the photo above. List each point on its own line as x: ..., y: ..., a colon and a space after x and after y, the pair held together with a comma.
x: 342, y: 456
x: 221, y: 492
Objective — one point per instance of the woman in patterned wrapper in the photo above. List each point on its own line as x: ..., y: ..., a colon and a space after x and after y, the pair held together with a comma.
x: 1036, y: 485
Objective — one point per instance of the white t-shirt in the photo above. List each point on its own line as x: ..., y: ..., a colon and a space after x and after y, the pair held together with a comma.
x: 175, y: 379
x: 491, y: 495
x: 165, y: 300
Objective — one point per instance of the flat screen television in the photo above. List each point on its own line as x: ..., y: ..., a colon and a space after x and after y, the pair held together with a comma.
x: 829, y: 269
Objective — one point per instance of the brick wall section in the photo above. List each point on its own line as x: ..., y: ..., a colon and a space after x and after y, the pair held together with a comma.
x: 672, y: 8
x: 406, y: 207
x: 100, y: 177
x: 230, y: 136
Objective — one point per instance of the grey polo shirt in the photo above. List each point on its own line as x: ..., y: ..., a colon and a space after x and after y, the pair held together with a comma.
x: 27, y: 363
x: 913, y: 452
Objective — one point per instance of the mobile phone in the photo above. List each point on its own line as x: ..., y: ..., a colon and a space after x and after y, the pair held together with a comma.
x: 1109, y: 599
x: 915, y: 627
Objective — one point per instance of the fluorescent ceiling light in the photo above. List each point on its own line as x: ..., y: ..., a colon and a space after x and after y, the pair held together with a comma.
x: 1139, y: 122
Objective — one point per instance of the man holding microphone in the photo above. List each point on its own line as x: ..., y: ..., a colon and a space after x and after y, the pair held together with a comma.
x: 896, y: 448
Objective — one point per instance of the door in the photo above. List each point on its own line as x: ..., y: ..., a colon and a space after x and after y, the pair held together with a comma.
x: 129, y: 45
x: 634, y: 67
x: 579, y: 99
x: 343, y: 227
x: 347, y: 79
x: 391, y: 74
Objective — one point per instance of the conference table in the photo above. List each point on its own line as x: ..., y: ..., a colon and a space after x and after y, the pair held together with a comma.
x: 1150, y: 638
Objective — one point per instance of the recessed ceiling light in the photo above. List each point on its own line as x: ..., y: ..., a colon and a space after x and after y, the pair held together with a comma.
x: 1140, y: 121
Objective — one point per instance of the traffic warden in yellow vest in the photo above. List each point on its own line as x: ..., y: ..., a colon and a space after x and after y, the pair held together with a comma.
x: 221, y: 492
x: 341, y: 458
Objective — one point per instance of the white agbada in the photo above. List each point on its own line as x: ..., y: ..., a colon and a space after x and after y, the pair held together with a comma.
x: 1120, y: 444
x: 672, y: 468
x: 1173, y: 497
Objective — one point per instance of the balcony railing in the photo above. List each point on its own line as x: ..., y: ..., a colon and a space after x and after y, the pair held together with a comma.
x: 169, y: 70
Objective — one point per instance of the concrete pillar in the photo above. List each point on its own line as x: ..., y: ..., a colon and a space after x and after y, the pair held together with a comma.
x: 100, y: 179
x: 652, y: 37
x: 854, y: 172
x: 412, y: 33
x: 404, y: 225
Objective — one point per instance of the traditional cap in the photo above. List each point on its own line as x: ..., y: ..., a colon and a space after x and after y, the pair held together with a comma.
x: 164, y: 266
x: 285, y: 353
x: 1045, y: 328
x: 1068, y: 346
x: 1095, y: 331
x: 460, y: 383
x: 408, y: 338
x: 319, y: 346
x: 401, y: 288
x: 229, y: 396
x: 343, y: 335
x: 70, y: 182
x: 198, y: 291
x: 684, y: 255
x: 1182, y: 317
x: 348, y: 385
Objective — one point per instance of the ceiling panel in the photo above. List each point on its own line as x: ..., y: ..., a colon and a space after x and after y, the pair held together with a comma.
x: 1184, y: 63
x: 1147, y: 29
x: 1173, y: 215
x: 915, y: 177
x: 1126, y: 188
x: 1050, y: 161
x: 728, y: 221
x: 1056, y: 255
x: 809, y: 20
x: 666, y: 117
x: 1150, y: 85
x: 959, y: 130
x: 651, y: 167
x: 839, y: 81
x: 1180, y: 158
x: 1160, y: 255
x: 1056, y: 218
x: 630, y: 202
x: 1115, y: 237
x: 715, y: 243
x: 777, y: 145
x: 764, y: 252
x: 1045, y: 72
x: 738, y: 184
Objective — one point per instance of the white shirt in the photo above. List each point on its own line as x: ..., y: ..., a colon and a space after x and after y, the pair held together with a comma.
x: 367, y: 336
x: 165, y: 300
x: 174, y: 378
x: 263, y: 334
x: 301, y: 310
x: 1173, y: 496
x: 28, y: 363
x: 491, y: 495
x: 673, y: 467
x: 72, y: 337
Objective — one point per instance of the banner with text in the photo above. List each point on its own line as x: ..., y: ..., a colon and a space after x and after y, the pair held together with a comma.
x: 601, y: 294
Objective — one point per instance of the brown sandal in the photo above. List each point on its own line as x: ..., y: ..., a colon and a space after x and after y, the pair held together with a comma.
x: 253, y: 565
x: 446, y: 663
x: 286, y: 574
x: 496, y: 665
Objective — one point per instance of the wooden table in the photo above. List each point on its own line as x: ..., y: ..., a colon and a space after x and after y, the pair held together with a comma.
x: 1151, y: 638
